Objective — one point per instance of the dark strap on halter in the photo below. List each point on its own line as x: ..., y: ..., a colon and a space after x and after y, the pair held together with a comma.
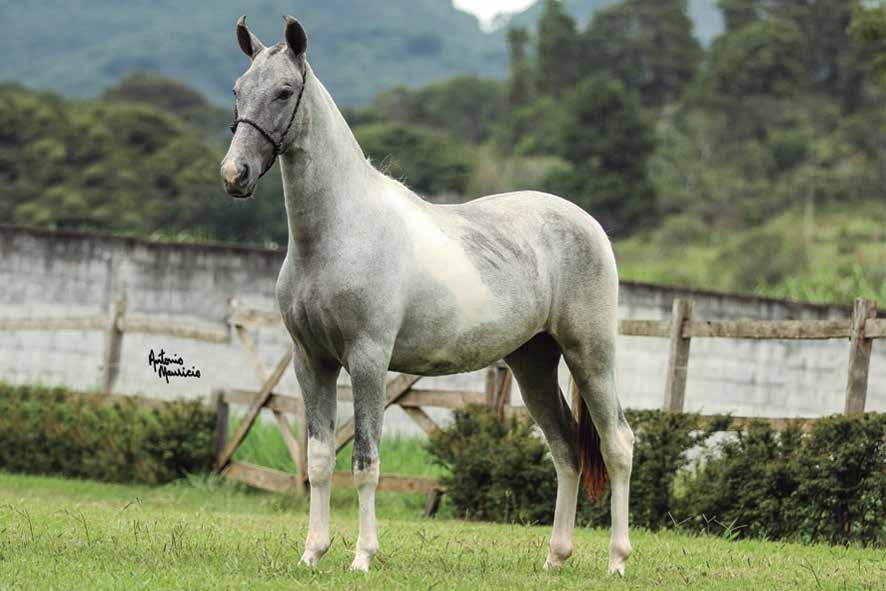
x: 278, y: 145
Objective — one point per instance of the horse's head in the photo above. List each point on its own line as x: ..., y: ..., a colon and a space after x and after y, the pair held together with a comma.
x: 267, y: 98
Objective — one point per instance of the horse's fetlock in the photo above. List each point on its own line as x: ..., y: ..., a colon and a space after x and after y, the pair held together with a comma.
x: 366, y: 471
x: 321, y: 462
x: 369, y: 547
x: 560, y: 550
x: 620, y: 550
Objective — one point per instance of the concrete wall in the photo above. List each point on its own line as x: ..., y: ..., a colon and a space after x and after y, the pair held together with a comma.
x: 44, y: 273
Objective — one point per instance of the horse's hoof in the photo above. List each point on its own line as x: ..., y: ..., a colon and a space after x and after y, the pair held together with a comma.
x: 361, y: 563
x: 310, y: 558
x: 552, y: 564
x: 618, y: 554
x: 617, y: 569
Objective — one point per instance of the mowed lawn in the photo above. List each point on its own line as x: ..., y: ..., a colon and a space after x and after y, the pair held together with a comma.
x: 206, y: 534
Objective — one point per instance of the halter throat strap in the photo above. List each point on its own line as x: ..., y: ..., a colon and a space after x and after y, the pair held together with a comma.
x: 278, y: 145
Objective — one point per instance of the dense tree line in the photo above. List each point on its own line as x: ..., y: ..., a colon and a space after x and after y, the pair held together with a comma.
x: 734, y: 149
x: 118, y: 166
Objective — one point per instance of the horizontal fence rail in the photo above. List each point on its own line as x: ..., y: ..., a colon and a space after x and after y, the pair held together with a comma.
x: 861, y: 329
x: 754, y: 329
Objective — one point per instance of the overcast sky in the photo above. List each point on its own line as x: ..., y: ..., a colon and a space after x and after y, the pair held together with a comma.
x: 486, y: 9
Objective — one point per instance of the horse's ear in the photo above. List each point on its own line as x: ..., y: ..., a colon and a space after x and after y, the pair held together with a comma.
x: 249, y: 43
x: 296, y: 38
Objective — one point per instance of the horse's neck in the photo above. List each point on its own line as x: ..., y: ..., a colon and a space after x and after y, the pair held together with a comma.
x: 325, y: 173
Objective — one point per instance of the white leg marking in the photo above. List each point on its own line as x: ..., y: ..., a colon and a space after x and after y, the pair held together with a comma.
x: 560, y: 546
x: 619, y: 466
x: 321, y: 463
x: 366, y: 481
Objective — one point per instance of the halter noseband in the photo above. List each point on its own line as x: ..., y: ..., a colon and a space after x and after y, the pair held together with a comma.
x: 278, y: 145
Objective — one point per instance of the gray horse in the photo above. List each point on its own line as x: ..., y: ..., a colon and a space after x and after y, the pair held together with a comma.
x: 376, y: 279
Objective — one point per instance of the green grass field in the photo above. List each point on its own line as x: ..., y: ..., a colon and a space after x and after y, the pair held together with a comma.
x: 203, y: 533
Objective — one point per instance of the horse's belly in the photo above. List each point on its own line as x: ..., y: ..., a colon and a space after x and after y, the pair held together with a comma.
x: 455, y: 333
x: 461, y: 354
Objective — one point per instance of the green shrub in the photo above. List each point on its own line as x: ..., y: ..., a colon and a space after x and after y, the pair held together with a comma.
x: 744, y: 485
x: 497, y: 470
x: 841, y: 497
x: 828, y: 485
x: 501, y: 470
x: 56, y: 431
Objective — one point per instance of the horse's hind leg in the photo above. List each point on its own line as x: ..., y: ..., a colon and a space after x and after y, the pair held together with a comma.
x: 589, y: 350
x: 535, y: 367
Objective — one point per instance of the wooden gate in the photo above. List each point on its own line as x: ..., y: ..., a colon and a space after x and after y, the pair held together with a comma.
x: 401, y: 391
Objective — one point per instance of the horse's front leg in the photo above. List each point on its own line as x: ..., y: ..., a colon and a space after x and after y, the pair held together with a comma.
x: 318, y: 385
x: 368, y: 366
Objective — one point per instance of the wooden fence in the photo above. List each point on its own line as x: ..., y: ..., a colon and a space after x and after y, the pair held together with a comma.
x: 401, y: 391
x: 861, y: 329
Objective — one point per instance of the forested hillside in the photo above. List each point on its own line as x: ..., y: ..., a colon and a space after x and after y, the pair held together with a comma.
x: 756, y: 163
x: 705, y: 15
x: 359, y: 47
x: 79, y: 48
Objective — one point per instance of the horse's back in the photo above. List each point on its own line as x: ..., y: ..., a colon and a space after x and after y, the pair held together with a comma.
x: 564, y: 238
x: 489, y: 274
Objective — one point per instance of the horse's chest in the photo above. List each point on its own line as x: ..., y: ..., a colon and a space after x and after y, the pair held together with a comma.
x: 330, y: 308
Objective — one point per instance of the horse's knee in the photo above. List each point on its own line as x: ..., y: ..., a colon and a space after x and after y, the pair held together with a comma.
x: 321, y: 461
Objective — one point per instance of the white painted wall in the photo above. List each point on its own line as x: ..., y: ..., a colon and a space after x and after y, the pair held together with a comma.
x: 46, y: 273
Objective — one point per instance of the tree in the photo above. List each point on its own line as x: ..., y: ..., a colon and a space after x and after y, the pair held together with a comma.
x: 868, y: 28
x: 738, y: 13
x: 120, y: 167
x: 608, y: 141
x: 429, y: 161
x: 649, y: 46
x: 557, y: 66
x: 835, y: 63
x: 467, y: 107
x: 762, y: 58
x: 520, y: 83
x: 173, y: 97
x: 823, y: 25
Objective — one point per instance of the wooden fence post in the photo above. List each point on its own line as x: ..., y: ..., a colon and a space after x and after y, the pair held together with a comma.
x: 859, y: 357
x: 432, y: 505
x: 113, y: 344
x: 220, y: 436
x: 678, y: 358
x: 498, y: 387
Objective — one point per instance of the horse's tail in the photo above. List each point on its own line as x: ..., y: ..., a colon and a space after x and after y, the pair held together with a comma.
x: 593, y: 470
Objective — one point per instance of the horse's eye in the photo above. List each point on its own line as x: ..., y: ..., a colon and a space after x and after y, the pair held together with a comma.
x: 284, y: 94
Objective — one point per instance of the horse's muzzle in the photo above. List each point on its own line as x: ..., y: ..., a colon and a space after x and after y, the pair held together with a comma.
x: 237, y: 178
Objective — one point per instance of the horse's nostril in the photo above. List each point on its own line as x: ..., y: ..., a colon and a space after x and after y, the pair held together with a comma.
x: 244, y: 172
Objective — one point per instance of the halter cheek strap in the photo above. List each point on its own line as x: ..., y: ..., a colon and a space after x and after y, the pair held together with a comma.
x: 277, y: 144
